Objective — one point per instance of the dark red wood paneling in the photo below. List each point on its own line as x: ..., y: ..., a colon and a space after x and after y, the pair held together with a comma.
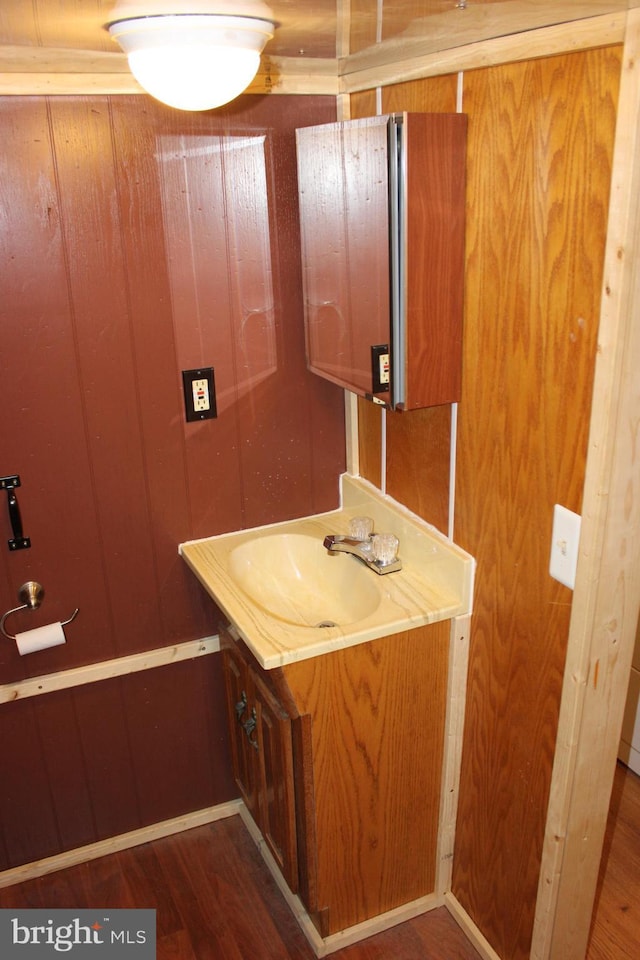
x: 137, y: 241
x: 27, y: 813
x: 132, y: 251
x: 44, y: 430
x: 106, y: 371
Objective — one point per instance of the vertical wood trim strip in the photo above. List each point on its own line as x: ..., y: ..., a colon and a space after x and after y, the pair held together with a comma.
x: 607, y: 593
x: 453, y: 450
x: 343, y: 45
x: 453, y: 734
x: 343, y: 28
x: 351, y: 433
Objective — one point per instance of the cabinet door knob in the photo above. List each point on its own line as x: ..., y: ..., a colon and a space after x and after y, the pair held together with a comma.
x: 241, y: 706
x: 249, y: 727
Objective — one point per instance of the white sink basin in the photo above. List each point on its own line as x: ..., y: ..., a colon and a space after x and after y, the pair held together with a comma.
x: 294, y: 578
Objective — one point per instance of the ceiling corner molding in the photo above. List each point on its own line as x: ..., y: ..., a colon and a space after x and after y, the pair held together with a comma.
x: 40, y: 71
x: 393, y: 61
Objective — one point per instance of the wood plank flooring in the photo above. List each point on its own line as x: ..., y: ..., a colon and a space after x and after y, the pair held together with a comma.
x: 215, y: 899
x: 615, y: 930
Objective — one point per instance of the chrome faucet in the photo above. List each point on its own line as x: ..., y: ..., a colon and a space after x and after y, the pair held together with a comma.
x: 362, y: 550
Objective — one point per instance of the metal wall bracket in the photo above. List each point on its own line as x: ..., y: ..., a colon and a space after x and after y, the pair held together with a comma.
x: 18, y: 541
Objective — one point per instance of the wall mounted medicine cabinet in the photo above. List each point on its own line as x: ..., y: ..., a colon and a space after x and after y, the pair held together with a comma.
x: 382, y: 203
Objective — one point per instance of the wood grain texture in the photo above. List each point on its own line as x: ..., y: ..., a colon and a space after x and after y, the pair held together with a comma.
x: 539, y: 167
x: 435, y: 183
x: 370, y: 427
x: 377, y: 736
x: 418, y: 473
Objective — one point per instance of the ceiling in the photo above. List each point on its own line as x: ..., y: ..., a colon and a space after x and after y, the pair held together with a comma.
x: 305, y: 27
x: 69, y: 36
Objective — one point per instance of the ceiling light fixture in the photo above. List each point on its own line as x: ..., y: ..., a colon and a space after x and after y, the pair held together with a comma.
x: 193, y: 61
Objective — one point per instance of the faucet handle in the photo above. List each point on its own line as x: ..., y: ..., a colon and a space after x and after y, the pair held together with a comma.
x: 385, y: 547
x: 360, y: 528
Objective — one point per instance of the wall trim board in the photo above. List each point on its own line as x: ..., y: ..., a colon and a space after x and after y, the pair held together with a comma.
x: 125, y: 841
x: 41, y: 71
x: 472, y: 932
x: 604, y: 612
x: 107, y: 669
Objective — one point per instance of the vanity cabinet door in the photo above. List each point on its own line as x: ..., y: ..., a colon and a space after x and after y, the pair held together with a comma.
x: 262, y: 756
x: 277, y: 819
x: 242, y: 720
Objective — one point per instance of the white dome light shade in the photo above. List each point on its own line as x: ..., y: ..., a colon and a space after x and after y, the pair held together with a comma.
x: 193, y: 61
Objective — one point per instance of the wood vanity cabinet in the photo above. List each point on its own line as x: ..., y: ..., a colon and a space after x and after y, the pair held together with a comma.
x: 342, y: 769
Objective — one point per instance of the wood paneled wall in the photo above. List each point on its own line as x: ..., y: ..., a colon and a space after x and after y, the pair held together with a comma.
x: 539, y: 166
x: 136, y: 241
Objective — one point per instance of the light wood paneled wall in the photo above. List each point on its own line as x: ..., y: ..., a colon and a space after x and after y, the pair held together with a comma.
x: 539, y: 166
x: 539, y: 171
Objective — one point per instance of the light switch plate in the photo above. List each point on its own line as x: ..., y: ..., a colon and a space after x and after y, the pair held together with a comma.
x: 565, y: 541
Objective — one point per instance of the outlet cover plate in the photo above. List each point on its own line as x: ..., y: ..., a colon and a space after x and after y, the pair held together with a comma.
x: 565, y: 541
x: 199, y: 394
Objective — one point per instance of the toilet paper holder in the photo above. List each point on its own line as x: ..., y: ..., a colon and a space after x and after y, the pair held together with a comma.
x: 31, y: 595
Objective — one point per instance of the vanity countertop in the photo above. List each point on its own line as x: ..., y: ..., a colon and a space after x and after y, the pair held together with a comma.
x: 435, y: 582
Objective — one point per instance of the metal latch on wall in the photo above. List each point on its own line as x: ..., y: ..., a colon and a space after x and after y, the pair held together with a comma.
x: 18, y: 541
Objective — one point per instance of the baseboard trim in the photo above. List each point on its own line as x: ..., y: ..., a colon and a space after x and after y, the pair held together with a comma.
x: 102, y: 848
x: 324, y: 946
x: 471, y: 931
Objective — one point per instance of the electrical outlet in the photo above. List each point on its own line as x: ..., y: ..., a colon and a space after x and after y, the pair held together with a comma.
x: 201, y: 401
x: 199, y: 394
x: 565, y: 540
x: 380, y: 373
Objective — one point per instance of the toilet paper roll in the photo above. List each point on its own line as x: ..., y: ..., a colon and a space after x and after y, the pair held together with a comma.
x: 51, y: 635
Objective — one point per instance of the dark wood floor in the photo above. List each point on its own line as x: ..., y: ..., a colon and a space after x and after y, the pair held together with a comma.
x: 215, y: 899
x: 615, y: 931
